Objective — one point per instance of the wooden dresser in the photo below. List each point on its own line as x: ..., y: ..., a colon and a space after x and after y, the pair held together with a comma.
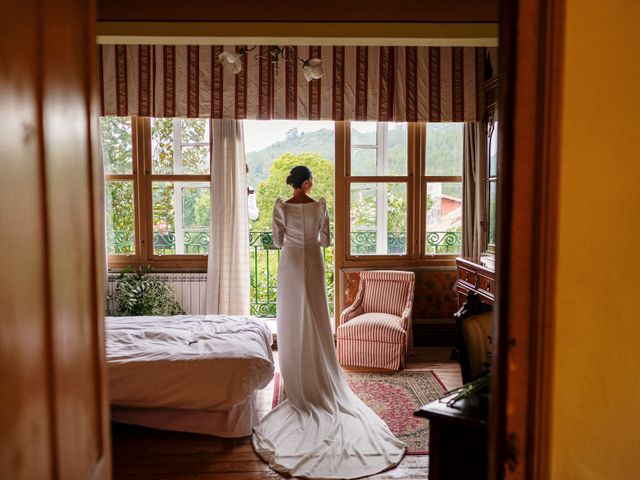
x: 458, y: 438
x: 474, y: 277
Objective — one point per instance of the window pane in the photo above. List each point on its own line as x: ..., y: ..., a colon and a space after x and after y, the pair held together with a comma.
x: 363, y: 133
x: 180, y: 146
x: 363, y: 161
x: 444, y: 149
x: 195, y: 159
x: 119, y: 212
x: 493, y: 152
x: 397, y: 149
x: 444, y: 218
x: 378, y: 148
x: 181, y: 212
x: 492, y: 212
x: 378, y: 219
x: 195, y: 131
x: 162, y: 145
x: 116, y: 145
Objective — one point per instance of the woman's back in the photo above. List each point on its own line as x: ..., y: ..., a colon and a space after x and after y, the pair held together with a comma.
x: 300, y: 224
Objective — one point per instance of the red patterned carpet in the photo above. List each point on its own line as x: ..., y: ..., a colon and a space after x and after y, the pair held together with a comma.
x: 394, y: 396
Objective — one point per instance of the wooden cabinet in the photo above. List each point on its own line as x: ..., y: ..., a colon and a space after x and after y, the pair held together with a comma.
x: 477, y: 278
x: 458, y: 438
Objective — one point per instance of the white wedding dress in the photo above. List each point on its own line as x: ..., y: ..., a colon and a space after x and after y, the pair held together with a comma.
x: 322, y: 429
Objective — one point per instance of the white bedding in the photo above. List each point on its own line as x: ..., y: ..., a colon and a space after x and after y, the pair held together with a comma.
x: 208, y: 362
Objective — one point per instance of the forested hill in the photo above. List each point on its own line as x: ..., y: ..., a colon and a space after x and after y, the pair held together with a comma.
x: 444, y: 144
x: 320, y: 141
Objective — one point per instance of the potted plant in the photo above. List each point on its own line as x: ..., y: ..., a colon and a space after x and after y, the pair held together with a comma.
x: 139, y: 293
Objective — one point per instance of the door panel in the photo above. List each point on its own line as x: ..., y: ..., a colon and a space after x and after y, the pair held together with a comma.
x: 52, y: 347
x: 67, y: 184
x: 25, y: 402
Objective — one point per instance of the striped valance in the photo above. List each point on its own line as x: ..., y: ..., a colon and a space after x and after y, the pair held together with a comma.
x: 434, y: 84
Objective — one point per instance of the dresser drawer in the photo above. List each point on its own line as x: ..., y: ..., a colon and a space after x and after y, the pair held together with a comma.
x: 467, y: 276
x: 476, y: 278
x: 486, y: 284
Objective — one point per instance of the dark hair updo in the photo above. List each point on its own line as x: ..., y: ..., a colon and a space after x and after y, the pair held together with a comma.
x: 298, y: 175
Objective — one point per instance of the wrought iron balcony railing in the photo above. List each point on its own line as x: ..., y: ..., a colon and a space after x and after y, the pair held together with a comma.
x: 363, y: 242
x: 444, y: 242
x: 264, y: 257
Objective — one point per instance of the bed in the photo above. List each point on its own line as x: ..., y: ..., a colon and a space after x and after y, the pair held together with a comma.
x: 193, y: 373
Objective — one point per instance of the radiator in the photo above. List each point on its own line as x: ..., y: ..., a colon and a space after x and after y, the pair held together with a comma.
x: 189, y: 289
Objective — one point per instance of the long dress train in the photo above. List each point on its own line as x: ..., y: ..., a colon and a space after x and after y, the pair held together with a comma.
x: 322, y: 429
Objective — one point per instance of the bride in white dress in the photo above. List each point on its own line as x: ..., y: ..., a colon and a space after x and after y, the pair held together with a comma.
x: 322, y: 429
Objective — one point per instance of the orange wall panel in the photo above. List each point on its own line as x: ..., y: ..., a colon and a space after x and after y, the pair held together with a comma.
x: 596, y: 413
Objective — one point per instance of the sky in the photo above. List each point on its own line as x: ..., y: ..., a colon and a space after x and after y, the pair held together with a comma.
x: 259, y: 134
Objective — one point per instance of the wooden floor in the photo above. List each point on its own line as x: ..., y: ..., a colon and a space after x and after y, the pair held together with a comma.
x: 140, y: 453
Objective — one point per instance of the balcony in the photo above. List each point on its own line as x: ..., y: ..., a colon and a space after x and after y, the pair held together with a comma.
x: 264, y: 257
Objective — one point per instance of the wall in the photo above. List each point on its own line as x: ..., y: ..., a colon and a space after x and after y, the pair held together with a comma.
x: 596, y: 412
x: 434, y: 297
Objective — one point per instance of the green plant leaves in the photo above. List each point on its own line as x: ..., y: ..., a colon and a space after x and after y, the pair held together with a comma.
x: 139, y: 293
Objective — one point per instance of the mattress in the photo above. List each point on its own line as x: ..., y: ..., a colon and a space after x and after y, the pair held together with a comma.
x: 208, y: 362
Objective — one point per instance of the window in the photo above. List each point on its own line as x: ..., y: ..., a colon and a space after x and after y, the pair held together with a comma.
x: 442, y: 184
x: 399, y: 187
x: 392, y: 212
x: 181, y: 205
x: 378, y: 188
x: 120, y: 185
x: 157, y: 191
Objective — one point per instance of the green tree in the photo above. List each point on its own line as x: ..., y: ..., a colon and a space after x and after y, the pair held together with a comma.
x: 275, y: 186
x: 162, y: 145
x: 117, y: 158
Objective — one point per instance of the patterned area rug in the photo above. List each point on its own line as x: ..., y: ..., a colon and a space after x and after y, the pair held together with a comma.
x: 394, y: 396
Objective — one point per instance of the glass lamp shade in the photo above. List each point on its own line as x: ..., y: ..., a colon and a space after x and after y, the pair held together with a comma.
x: 231, y: 60
x: 312, y: 69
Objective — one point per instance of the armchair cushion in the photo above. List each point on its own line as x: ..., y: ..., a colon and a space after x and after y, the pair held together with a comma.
x: 385, y: 296
x: 374, y: 327
x: 387, y: 291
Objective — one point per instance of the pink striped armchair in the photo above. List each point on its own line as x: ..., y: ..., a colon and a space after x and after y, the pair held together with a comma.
x: 375, y: 331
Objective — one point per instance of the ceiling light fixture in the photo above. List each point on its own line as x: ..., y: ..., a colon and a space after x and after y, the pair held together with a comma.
x: 311, y: 67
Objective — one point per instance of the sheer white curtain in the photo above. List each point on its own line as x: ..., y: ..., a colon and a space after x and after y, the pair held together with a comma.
x: 228, y: 269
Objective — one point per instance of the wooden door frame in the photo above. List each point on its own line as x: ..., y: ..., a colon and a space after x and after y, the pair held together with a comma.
x: 531, y: 41
x: 530, y: 64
